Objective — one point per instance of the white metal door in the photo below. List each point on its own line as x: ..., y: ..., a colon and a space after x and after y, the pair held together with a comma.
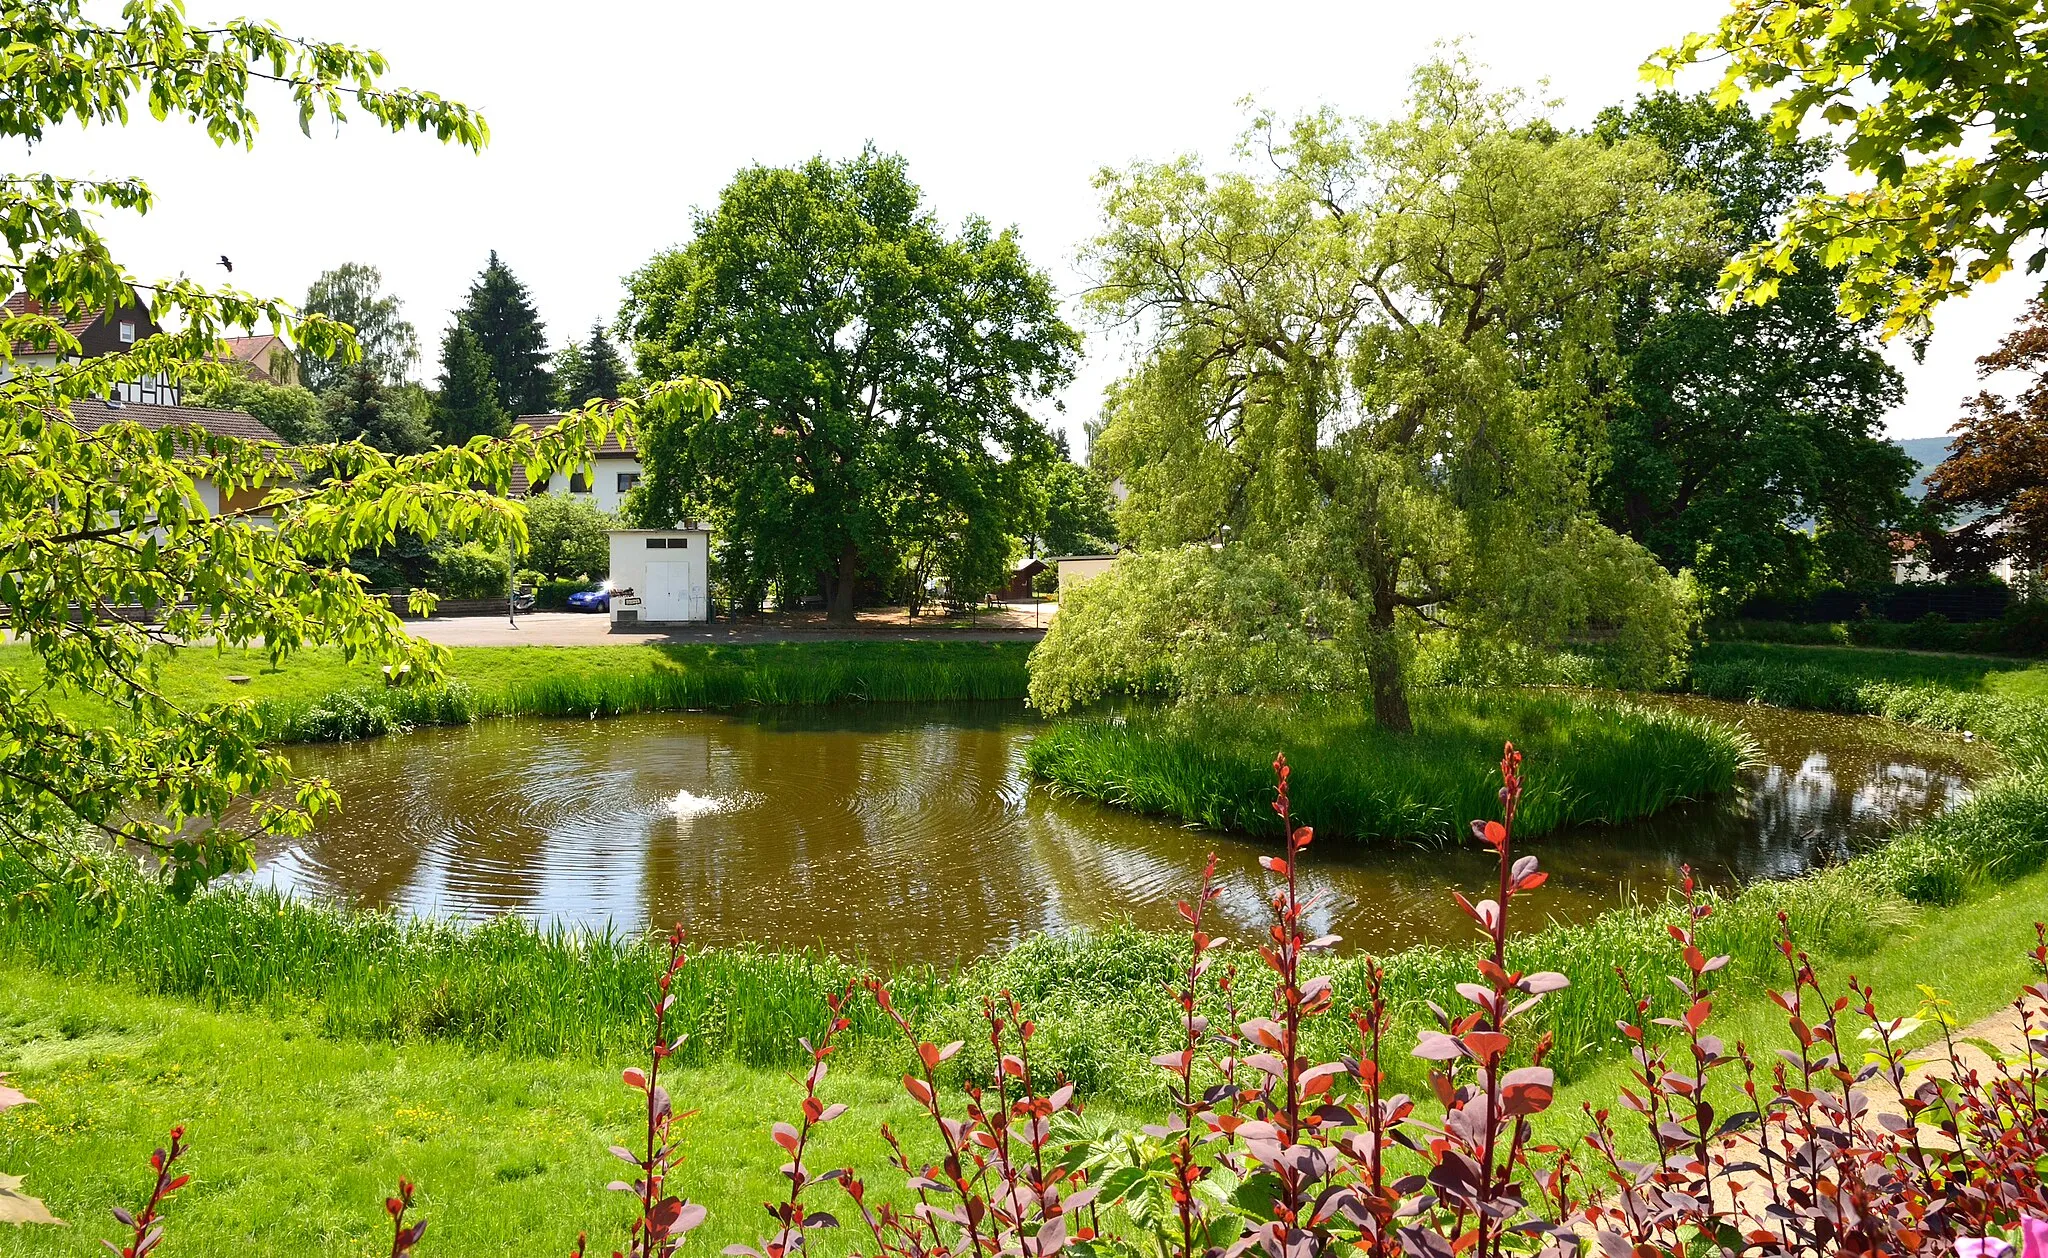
x: 666, y: 596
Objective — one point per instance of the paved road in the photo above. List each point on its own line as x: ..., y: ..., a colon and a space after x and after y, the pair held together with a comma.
x: 586, y: 629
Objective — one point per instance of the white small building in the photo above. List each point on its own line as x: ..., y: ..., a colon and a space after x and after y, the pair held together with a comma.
x: 660, y: 576
x: 1078, y: 570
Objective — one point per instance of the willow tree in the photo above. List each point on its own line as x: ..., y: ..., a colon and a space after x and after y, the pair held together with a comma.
x: 1369, y: 359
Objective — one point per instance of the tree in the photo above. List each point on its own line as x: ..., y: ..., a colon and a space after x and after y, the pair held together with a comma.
x: 352, y: 293
x: 875, y: 358
x: 1746, y: 444
x: 1067, y: 509
x: 1998, y: 461
x: 362, y: 407
x: 1367, y: 359
x: 1939, y: 105
x: 590, y: 370
x: 292, y: 412
x: 568, y: 537
x: 467, y: 403
x: 109, y: 516
x: 502, y: 316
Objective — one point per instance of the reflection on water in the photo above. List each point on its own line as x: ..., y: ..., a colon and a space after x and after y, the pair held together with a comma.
x: 910, y: 832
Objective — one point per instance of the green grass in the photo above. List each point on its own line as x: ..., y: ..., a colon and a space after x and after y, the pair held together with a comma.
x: 296, y: 1138
x: 1211, y: 764
x: 318, y: 696
x: 298, y: 1135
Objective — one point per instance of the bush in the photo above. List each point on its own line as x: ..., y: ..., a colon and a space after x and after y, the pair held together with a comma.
x: 567, y: 537
x: 470, y: 570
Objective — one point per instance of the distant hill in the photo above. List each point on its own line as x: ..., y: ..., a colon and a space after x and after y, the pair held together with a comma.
x: 1928, y: 452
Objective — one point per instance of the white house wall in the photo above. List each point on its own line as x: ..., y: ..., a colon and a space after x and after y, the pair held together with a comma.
x: 605, y: 493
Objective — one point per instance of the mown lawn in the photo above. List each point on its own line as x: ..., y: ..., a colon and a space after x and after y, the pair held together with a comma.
x: 2017, y: 678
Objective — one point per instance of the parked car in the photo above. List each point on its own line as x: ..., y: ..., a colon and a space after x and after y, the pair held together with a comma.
x: 598, y: 598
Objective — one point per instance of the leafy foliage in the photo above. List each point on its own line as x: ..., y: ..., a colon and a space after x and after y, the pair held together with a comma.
x: 291, y: 411
x: 501, y: 314
x: 93, y: 519
x: 566, y: 536
x: 353, y: 294
x: 1936, y: 104
x: 1746, y: 444
x: 1998, y: 460
x: 882, y: 370
x: 1365, y: 357
x: 363, y: 408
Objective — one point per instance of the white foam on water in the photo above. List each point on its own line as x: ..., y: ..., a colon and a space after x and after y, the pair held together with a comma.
x: 687, y: 804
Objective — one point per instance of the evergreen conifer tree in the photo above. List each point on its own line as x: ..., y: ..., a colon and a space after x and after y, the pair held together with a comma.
x: 467, y: 404
x: 592, y: 369
x: 501, y: 314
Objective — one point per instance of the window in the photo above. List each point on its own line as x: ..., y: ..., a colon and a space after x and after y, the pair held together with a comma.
x: 668, y: 543
x: 579, y: 484
x: 656, y: 543
x: 678, y: 543
x: 627, y: 480
x: 127, y: 333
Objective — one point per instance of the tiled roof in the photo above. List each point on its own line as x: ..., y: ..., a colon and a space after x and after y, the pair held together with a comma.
x: 613, y: 448
x: 91, y: 415
x: 20, y: 303
x: 249, y: 348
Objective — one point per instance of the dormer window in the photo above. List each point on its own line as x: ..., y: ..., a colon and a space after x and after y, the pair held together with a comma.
x: 127, y: 333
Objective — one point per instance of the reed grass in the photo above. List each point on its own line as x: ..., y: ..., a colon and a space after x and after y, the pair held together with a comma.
x: 564, y: 682
x: 1212, y: 764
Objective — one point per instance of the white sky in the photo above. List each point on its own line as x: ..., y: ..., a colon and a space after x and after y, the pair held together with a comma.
x: 610, y: 120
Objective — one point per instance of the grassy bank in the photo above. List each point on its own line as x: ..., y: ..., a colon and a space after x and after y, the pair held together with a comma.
x: 1212, y: 764
x: 298, y: 1135
x: 318, y: 696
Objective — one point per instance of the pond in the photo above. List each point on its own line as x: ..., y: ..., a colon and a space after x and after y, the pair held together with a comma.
x: 910, y: 833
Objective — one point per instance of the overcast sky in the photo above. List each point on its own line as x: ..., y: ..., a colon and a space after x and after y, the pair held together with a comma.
x: 611, y: 120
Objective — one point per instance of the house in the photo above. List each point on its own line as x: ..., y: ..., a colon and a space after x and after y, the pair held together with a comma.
x: 613, y: 472
x: 110, y: 332
x: 1078, y: 570
x: 660, y: 576
x: 93, y: 415
x: 264, y: 358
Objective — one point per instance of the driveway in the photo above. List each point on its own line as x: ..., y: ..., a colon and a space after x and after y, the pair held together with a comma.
x: 587, y: 629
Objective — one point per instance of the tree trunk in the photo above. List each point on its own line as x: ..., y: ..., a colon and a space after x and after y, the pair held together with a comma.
x: 839, y: 608
x: 1383, y: 663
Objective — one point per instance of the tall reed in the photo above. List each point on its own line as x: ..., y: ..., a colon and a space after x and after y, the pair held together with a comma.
x: 726, y: 677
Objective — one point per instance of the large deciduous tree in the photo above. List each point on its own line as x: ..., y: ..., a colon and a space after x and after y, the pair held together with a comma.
x: 882, y: 371
x: 353, y: 293
x: 1365, y: 355
x: 1938, y: 104
x: 1746, y: 443
x: 95, y: 516
x: 1997, y: 464
x: 502, y: 316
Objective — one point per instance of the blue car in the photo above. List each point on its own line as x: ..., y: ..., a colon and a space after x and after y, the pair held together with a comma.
x: 598, y: 598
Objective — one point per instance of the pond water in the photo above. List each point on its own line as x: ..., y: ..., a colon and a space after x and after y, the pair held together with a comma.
x: 910, y: 832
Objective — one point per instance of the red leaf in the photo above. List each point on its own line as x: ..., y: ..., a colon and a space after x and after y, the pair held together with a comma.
x: 635, y: 1078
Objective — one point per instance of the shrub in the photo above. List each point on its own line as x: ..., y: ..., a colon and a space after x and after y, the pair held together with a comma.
x: 470, y: 570
x: 567, y: 537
